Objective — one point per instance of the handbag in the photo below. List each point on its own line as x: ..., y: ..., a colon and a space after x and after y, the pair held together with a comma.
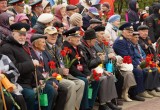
x: 109, y: 66
x: 43, y: 99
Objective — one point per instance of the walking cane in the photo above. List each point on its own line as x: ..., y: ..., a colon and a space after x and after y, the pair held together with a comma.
x: 39, y: 106
x: 3, y: 99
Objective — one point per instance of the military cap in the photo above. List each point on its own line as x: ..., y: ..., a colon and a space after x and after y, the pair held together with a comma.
x: 70, y: 7
x: 135, y: 33
x: 126, y: 26
x: 89, y: 34
x: 50, y: 30
x: 99, y: 28
x: 72, y: 32
x: 14, y: 2
x: 37, y: 36
x: 36, y: 3
x: 20, y: 27
x: 95, y: 21
x: 143, y: 27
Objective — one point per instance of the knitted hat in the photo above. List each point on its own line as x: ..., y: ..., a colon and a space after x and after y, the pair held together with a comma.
x: 75, y: 19
x: 114, y: 18
x: 45, y: 18
x: 89, y: 34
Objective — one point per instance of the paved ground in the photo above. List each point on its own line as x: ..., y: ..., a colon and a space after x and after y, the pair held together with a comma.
x: 149, y: 104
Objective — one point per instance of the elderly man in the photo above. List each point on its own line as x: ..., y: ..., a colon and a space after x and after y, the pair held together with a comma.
x: 92, y: 13
x: 38, y: 45
x: 122, y: 47
x: 3, y: 6
x: 37, y: 10
x: 74, y: 86
x: 20, y: 55
x: 18, y: 6
x: 151, y: 79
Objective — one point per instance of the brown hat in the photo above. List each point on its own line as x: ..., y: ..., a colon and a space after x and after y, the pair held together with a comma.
x: 75, y: 19
x: 70, y: 7
x: 50, y: 30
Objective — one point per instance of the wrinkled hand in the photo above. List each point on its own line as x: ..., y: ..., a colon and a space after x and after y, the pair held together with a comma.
x: 65, y: 71
x: 102, y: 56
x: 139, y: 67
x: 42, y: 84
x: 35, y: 62
x: 55, y: 85
x: 88, y: 77
x: 107, y: 73
x: 111, y: 55
x: 146, y: 46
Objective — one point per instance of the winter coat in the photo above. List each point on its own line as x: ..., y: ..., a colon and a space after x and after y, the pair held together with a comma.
x: 4, y: 24
x: 22, y: 60
x: 83, y: 61
x: 86, y: 20
x: 153, y: 22
x: 111, y: 31
x: 133, y: 12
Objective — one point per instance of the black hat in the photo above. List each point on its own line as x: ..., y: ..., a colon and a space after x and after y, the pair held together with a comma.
x: 89, y: 34
x: 143, y: 27
x: 72, y: 32
x: 36, y: 3
x: 16, y: 2
x: 95, y: 21
x: 70, y: 7
x: 58, y: 24
x: 99, y: 28
x: 20, y: 27
x: 80, y: 6
x: 37, y: 36
x: 126, y: 26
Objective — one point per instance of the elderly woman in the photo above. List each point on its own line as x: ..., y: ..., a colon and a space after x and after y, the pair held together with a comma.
x: 102, y: 47
x: 112, y: 27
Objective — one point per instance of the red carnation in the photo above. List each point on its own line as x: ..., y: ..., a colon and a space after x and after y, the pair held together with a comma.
x: 54, y: 75
x: 52, y: 64
x: 63, y: 53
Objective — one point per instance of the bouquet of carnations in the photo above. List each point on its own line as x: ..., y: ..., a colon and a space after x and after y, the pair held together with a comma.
x: 96, y: 73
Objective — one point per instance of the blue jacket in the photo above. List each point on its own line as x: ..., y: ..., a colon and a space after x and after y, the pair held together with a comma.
x: 124, y: 47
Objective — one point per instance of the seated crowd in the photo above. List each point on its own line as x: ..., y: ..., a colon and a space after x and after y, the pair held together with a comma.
x: 73, y: 58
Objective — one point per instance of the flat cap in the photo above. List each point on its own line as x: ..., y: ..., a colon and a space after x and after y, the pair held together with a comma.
x: 20, y: 27
x: 70, y: 7
x: 93, y: 10
x: 36, y: 3
x: 37, y: 36
x: 13, y: 2
x: 99, y: 28
x: 45, y: 18
x: 72, y: 32
x: 143, y: 27
x: 126, y: 26
x: 95, y: 21
x: 50, y: 30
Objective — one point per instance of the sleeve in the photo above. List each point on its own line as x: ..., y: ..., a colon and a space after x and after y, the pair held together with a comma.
x: 120, y: 48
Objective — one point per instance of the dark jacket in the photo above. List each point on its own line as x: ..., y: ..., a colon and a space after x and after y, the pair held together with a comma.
x: 123, y: 47
x: 153, y: 22
x: 133, y: 12
x: 86, y: 20
x: 39, y: 27
x: 22, y: 60
x: 73, y: 69
x: 143, y: 42
x: 33, y: 19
